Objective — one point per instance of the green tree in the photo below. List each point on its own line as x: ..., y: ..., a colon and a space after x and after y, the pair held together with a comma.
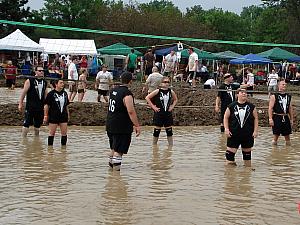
x: 15, y: 11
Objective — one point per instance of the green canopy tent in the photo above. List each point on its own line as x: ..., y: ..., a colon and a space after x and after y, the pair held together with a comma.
x: 277, y: 54
x: 201, y: 54
x: 117, y: 49
x: 227, y: 55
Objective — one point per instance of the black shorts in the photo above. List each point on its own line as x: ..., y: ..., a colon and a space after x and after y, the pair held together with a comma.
x: 34, y: 118
x: 80, y: 91
x: 119, y: 142
x: 282, y: 125
x: 131, y: 70
x: 148, y: 71
x: 10, y: 82
x: 222, y: 113
x: 193, y: 74
x: 102, y: 92
x: 207, y: 86
x: 235, y: 142
x: 163, y: 119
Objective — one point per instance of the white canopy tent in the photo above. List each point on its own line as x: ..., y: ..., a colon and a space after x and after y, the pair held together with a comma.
x: 19, y: 42
x: 69, y: 46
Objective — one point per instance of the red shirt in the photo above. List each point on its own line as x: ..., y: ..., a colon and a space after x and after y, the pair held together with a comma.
x: 10, y: 72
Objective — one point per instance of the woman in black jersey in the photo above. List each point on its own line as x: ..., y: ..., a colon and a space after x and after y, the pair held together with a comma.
x: 162, y: 101
x: 281, y: 114
x: 241, y: 127
x: 56, y: 112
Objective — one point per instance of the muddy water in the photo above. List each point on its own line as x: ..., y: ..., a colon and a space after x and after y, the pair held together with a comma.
x: 188, y: 184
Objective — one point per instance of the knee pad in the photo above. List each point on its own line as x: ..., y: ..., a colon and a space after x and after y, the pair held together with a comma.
x: 246, y: 155
x: 169, y: 132
x: 50, y: 140
x: 230, y: 156
x: 156, y: 132
x: 63, y: 140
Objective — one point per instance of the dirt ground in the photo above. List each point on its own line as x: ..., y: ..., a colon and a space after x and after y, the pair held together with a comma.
x: 194, y: 108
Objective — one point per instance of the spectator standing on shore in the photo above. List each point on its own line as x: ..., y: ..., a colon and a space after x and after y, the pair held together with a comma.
x: 162, y: 101
x: 82, y: 84
x: 149, y: 62
x: 35, y: 90
x: 153, y: 80
x: 250, y: 81
x: 272, y: 82
x: 131, y: 62
x: 10, y: 73
x: 170, y: 65
x: 73, y: 75
x: 56, y: 112
x: 121, y: 119
x: 281, y: 114
x: 241, y: 127
x: 192, y: 66
x: 104, y: 79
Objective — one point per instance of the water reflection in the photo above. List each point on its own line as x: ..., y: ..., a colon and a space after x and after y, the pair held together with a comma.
x: 116, y: 207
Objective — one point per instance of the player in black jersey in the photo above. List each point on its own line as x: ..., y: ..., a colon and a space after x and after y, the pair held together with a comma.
x: 35, y: 90
x: 224, y: 98
x: 241, y: 127
x: 57, y: 112
x: 162, y: 101
x: 121, y: 119
x: 281, y: 114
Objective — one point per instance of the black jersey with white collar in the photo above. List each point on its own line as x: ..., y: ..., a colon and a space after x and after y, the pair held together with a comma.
x: 241, y: 120
x: 163, y: 100
x: 282, y: 103
x: 36, y: 94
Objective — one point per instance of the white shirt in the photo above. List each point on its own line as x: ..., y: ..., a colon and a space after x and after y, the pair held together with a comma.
x: 273, y: 77
x: 170, y: 62
x: 104, y: 78
x: 192, y: 61
x: 72, y: 67
x: 250, y: 77
x: 210, y: 82
x: 153, y: 81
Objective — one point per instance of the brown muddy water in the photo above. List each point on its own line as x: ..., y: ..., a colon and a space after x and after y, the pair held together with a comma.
x: 186, y: 184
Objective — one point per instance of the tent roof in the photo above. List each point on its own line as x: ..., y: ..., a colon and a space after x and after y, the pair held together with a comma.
x: 20, y: 42
x: 201, y: 54
x: 277, y: 54
x: 117, y: 49
x: 227, y: 55
x: 294, y: 59
x: 166, y: 51
x: 69, y: 46
x: 250, y: 59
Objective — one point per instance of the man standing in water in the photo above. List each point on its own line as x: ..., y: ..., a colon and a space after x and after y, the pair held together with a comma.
x: 224, y: 98
x: 35, y: 90
x: 241, y: 127
x: 281, y: 114
x: 162, y: 101
x: 121, y: 119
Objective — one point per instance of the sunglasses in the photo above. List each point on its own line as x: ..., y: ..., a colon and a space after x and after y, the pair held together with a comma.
x: 166, y: 82
x: 40, y: 70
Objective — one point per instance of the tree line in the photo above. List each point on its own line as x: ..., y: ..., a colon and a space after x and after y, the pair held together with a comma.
x: 275, y: 21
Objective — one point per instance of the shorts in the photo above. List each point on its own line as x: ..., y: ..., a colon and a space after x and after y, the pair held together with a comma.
x: 10, y: 82
x: 222, y: 113
x: 81, y: 91
x: 193, y: 74
x: 34, y: 118
x: 272, y: 88
x: 235, y: 142
x: 282, y: 125
x: 207, y: 86
x: 119, y: 142
x: 58, y: 119
x: 168, y: 74
x: 148, y: 71
x: 131, y: 70
x: 163, y: 119
x: 72, y: 86
x: 102, y: 92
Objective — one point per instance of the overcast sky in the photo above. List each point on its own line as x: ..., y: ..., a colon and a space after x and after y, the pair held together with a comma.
x: 230, y: 5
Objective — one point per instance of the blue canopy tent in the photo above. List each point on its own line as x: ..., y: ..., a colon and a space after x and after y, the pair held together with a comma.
x: 294, y: 59
x: 250, y: 59
x: 165, y: 51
